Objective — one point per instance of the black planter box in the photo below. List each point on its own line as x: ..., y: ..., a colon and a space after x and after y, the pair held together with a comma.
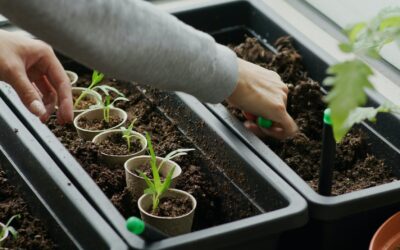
x: 342, y: 222
x: 278, y: 208
x: 71, y: 221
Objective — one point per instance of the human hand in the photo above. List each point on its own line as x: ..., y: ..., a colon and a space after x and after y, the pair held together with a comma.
x: 261, y: 92
x: 32, y: 69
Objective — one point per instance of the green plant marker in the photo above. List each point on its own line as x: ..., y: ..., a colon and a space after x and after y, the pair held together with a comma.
x: 328, y: 156
x: 135, y: 225
x: 149, y: 233
x: 264, y: 123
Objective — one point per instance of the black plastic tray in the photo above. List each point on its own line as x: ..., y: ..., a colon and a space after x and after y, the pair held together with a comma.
x: 278, y: 207
x: 341, y: 222
x: 72, y: 222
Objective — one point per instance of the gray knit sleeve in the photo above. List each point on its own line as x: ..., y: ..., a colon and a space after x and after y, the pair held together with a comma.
x: 131, y: 40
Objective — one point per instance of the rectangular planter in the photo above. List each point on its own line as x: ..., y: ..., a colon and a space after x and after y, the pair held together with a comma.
x: 341, y: 222
x: 70, y: 219
x: 262, y: 205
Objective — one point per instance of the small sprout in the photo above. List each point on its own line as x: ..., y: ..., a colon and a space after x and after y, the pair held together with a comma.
x: 10, y: 229
x: 96, y: 78
x: 107, y: 104
x: 127, y: 133
x: 156, y: 187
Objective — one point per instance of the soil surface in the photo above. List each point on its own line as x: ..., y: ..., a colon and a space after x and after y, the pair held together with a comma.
x: 96, y: 124
x: 85, y: 103
x: 31, y: 231
x: 216, y: 203
x: 356, y: 167
x: 115, y: 144
x: 173, y: 207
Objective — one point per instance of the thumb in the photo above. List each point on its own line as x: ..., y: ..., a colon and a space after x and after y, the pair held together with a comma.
x: 27, y: 92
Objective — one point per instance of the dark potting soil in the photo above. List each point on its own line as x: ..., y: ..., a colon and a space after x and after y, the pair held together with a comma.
x: 216, y: 202
x: 96, y: 124
x: 115, y: 144
x: 85, y: 103
x: 173, y: 207
x: 31, y: 232
x: 355, y: 166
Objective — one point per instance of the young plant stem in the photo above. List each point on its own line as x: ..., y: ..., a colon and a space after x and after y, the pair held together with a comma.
x: 327, y: 157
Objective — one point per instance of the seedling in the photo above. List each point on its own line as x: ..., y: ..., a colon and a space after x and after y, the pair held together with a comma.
x: 127, y: 134
x: 9, y: 229
x: 350, y: 78
x: 96, y: 78
x: 107, y: 104
x: 156, y: 188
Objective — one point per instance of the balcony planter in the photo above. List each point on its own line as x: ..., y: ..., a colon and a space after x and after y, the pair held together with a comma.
x: 136, y: 184
x: 117, y: 157
x: 345, y: 221
x: 241, y: 202
x: 35, y: 188
x: 387, y: 237
x: 94, y: 124
x: 171, y: 226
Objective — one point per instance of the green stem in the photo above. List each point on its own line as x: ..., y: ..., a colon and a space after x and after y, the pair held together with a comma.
x: 81, y: 96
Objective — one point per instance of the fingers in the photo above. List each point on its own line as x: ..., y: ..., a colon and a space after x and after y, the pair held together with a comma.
x: 48, y: 94
x: 25, y: 90
x: 52, y: 68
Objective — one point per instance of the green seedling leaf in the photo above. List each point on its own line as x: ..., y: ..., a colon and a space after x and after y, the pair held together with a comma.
x: 167, y: 182
x: 349, y: 79
x: 346, y: 47
x: 355, y: 31
x: 174, y: 154
x: 107, y: 89
x: 119, y: 99
x: 96, y: 78
x: 361, y: 114
x: 127, y: 133
x: 9, y: 228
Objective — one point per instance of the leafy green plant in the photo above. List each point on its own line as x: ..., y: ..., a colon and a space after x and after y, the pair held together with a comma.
x: 350, y: 79
x: 96, y: 78
x: 127, y: 133
x: 156, y: 187
x: 10, y: 229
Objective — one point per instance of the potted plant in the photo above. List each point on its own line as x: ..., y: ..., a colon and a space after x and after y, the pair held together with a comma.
x: 169, y: 210
x: 92, y: 122
x: 387, y: 237
x: 136, y: 166
x: 118, y: 145
x: 90, y: 100
x: 6, y: 229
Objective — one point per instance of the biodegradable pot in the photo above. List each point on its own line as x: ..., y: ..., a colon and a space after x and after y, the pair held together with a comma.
x: 387, y: 237
x: 98, y: 114
x: 172, y: 226
x: 73, y: 77
x: 93, y: 95
x: 113, y: 160
x: 2, y: 226
x: 136, y: 184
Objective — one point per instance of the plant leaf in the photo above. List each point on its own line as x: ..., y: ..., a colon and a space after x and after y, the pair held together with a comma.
x: 153, y: 163
x: 349, y: 80
x: 167, y: 181
x: 149, y: 183
x: 13, y: 232
x: 107, y: 89
x: 119, y: 99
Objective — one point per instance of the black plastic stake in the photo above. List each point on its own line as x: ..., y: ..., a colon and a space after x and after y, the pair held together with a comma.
x: 147, y: 232
x: 328, y: 156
